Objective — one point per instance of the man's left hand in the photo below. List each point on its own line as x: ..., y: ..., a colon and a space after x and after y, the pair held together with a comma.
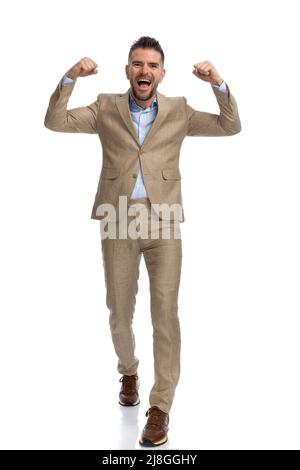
x: 207, y: 72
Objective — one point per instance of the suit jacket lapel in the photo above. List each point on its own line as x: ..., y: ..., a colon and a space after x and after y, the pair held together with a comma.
x: 122, y: 102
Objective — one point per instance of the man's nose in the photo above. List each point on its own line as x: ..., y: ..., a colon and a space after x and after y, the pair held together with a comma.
x: 145, y: 69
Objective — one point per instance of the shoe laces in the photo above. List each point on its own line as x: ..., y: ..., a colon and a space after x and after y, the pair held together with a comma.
x: 156, y: 417
x: 129, y: 382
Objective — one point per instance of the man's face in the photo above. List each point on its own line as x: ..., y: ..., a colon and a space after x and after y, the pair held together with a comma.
x: 144, y: 64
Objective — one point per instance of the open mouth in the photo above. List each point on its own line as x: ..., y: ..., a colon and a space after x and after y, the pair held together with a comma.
x: 144, y: 84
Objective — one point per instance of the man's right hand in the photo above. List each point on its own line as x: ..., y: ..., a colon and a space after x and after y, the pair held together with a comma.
x: 83, y: 68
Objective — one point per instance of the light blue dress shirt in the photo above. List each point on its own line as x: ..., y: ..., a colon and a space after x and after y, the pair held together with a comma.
x: 142, y: 119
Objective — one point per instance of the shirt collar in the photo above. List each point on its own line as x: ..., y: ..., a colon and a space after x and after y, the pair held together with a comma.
x: 135, y: 107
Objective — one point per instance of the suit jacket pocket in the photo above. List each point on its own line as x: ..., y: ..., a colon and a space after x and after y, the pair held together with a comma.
x: 171, y: 174
x: 110, y: 173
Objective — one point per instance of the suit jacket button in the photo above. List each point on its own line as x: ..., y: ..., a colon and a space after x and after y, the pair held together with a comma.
x: 134, y: 175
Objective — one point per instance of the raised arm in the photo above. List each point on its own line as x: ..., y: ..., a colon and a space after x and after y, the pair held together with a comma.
x: 202, y: 123
x: 83, y: 119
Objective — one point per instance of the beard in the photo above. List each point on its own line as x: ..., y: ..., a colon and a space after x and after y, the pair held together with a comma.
x: 143, y: 97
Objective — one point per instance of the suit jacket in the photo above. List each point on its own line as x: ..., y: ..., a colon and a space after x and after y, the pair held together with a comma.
x: 109, y: 117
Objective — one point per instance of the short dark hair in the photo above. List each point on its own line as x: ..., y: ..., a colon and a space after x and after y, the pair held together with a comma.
x: 145, y: 42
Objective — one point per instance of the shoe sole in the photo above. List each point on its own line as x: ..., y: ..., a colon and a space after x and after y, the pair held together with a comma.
x: 130, y: 404
x: 148, y: 443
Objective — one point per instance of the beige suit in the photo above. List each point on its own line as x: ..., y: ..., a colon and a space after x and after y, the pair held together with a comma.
x: 109, y: 117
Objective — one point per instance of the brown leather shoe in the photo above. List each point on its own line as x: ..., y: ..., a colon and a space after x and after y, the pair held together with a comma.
x: 129, y: 395
x: 155, y: 431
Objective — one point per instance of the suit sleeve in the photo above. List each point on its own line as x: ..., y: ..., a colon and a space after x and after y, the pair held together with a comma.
x: 58, y: 118
x: 228, y: 122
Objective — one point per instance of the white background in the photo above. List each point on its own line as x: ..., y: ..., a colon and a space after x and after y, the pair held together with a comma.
x: 239, y: 294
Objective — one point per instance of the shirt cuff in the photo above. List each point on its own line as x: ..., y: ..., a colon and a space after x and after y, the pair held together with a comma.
x: 67, y: 80
x: 222, y: 86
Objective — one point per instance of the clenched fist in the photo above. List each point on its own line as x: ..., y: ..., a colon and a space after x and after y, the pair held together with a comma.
x: 83, y: 68
x: 207, y: 72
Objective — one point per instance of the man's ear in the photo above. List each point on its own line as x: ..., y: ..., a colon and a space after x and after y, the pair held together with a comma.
x: 126, y: 71
x: 163, y: 73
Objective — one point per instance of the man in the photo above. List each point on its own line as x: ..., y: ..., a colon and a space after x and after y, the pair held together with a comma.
x: 141, y: 132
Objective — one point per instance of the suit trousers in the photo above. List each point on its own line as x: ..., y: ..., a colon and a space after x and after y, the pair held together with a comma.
x: 162, y: 252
